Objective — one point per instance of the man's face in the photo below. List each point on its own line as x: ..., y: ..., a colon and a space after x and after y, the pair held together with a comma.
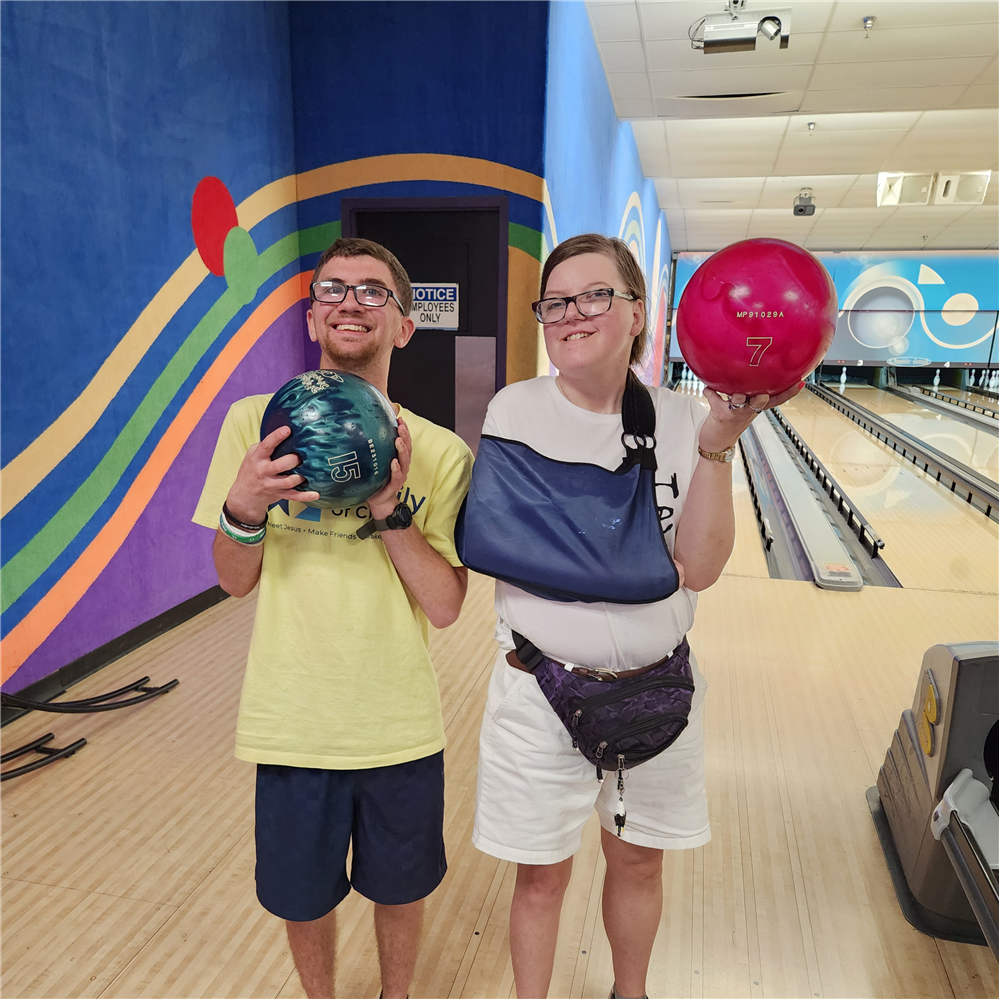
x: 354, y: 336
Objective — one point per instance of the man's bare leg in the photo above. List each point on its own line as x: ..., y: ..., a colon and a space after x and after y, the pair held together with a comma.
x: 534, y: 919
x: 397, y: 928
x: 313, y: 946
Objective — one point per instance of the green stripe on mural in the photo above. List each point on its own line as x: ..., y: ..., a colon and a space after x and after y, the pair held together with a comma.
x: 52, y: 540
x: 528, y: 240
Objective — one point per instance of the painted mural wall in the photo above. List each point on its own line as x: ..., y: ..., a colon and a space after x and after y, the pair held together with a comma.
x: 134, y: 313
x: 594, y: 174
x: 121, y: 349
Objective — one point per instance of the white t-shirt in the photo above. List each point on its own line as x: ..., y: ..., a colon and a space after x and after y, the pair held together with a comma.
x: 604, y: 635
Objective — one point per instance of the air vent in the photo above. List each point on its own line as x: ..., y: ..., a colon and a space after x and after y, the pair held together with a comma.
x: 904, y: 189
x: 961, y: 188
x: 730, y: 97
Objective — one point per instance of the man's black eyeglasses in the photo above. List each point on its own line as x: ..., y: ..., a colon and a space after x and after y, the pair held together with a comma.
x: 373, y: 296
x: 588, y: 303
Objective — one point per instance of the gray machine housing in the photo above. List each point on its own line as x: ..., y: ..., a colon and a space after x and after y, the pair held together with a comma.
x: 911, y: 781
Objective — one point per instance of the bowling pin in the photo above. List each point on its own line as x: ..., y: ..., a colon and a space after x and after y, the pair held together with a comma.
x: 936, y: 379
x: 994, y: 380
x: 971, y: 379
x: 842, y: 377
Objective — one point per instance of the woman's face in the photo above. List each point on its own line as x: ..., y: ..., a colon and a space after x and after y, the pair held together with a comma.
x: 581, y: 344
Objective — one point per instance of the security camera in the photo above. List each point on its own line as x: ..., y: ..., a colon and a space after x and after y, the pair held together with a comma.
x: 804, y: 203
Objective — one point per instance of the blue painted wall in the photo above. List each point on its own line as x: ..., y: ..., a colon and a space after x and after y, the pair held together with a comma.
x: 592, y: 166
x: 112, y: 113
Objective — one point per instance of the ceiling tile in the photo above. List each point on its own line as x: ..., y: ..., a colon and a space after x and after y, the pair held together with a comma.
x: 890, y: 14
x: 990, y: 73
x: 868, y: 121
x: 726, y: 194
x: 918, y: 73
x: 628, y: 84
x: 883, y: 99
x: 864, y: 152
x: 650, y: 137
x: 669, y: 196
x: 623, y: 57
x: 931, y: 216
x: 693, y: 163
x: 986, y: 119
x: 945, y: 151
x: 986, y: 214
x: 671, y: 18
x: 863, y: 193
x: 893, y: 241
x: 721, y: 131
x: 634, y: 107
x: 828, y: 191
x: 817, y: 242
x: 707, y: 82
x: 614, y: 22
x: 979, y: 95
x: 676, y: 54
x: 909, y: 43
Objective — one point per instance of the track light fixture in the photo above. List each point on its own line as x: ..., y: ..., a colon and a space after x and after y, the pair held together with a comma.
x: 737, y: 30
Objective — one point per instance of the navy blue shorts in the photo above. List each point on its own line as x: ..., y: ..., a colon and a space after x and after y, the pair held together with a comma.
x: 306, y: 819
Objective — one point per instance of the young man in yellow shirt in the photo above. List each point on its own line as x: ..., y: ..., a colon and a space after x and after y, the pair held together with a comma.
x: 340, y: 708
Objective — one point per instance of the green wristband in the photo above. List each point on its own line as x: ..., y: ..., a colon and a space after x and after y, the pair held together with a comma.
x: 241, y: 537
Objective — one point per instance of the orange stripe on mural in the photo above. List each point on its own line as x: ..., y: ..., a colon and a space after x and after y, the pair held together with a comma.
x: 50, y: 611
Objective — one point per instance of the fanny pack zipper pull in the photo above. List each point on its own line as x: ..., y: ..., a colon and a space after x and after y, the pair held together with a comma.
x: 620, y: 813
x: 575, y: 720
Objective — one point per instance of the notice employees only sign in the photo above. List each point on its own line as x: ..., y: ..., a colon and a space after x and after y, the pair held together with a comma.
x: 435, y: 306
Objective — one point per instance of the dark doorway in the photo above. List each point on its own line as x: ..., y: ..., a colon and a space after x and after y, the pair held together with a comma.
x: 447, y: 376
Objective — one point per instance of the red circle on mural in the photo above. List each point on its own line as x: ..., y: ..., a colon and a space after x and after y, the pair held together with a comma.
x: 213, y: 215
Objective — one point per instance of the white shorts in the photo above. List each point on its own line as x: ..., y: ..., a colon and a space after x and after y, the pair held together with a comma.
x: 535, y: 792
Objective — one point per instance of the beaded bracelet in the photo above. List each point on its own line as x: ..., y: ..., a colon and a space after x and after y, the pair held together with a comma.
x: 242, y: 537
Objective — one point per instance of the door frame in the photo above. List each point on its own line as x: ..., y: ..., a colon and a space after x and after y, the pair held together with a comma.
x: 349, y: 207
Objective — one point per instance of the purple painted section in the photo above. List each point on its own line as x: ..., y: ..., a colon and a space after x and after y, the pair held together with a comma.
x: 166, y: 559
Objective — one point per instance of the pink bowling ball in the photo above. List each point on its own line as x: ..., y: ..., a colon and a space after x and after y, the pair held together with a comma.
x: 756, y: 316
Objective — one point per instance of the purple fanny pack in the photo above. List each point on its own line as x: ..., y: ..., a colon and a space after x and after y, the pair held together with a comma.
x: 618, y: 724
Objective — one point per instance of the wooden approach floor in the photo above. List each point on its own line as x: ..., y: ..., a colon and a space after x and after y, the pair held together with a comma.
x: 127, y: 871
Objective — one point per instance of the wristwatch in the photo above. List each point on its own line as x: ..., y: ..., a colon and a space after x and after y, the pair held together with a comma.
x: 398, y: 520
x: 727, y: 455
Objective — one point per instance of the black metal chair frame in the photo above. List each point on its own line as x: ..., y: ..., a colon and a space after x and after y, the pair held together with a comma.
x: 102, y: 702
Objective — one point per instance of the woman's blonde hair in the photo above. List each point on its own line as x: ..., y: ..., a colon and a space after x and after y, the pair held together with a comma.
x: 627, y: 265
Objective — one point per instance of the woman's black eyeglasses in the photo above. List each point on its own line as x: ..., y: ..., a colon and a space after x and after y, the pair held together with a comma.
x: 588, y: 303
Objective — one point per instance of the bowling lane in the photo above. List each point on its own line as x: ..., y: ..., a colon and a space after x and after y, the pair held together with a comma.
x: 976, y: 448
x: 933, y: 539
x: 748, y: 558
x: 975, y: 398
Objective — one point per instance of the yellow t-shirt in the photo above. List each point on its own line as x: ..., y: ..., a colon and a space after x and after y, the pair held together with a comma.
x: 338, y: 675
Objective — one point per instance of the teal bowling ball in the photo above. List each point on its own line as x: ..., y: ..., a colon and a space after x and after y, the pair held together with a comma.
x: 343, y: 431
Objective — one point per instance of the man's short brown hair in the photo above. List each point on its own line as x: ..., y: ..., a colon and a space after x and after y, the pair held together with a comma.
x: 617, y: 250
x: 353, y: 246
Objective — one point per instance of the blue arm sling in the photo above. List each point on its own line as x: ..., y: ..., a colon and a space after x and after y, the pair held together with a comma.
x: 570, y: 530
